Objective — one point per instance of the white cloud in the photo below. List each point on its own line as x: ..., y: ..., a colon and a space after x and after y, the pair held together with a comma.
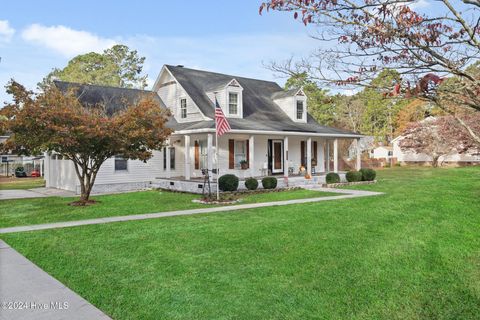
x: 6, y: 32
x: 64, y: 40
x: 419, y: 4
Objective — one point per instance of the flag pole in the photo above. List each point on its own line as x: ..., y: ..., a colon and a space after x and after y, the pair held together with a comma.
x: 216, y: 153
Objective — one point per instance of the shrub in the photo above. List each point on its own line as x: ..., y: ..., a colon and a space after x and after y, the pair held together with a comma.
x: 354, y: 176
x: 332, y: 177
x: 368, y: 174
x: 228, y: 182
x: 269, y: 183
x: 251, y: 183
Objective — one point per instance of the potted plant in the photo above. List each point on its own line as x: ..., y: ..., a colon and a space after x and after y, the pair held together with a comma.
x: 244, y: 164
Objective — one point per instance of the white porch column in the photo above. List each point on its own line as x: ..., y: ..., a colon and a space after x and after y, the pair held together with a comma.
x: 321, y: 157
x: 309, y: 156
x: 251, y: 155
x: 186, y: 151
x: 327, y: 156
x: 335, y: 155
x: 167, y: 156
x: 285, y: 157
x: 359, y: 154
x: 210, y: 153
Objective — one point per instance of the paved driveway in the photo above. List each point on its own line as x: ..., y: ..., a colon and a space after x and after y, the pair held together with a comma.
x: 34, y: 193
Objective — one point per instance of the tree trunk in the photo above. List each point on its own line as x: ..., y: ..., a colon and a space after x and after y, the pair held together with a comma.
x: 435, y: 161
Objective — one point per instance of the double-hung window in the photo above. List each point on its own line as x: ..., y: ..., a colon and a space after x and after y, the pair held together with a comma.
x: 240, y: 152
x: 233, y: 103
x: 120, y: 163
x: 183, y: 108
x: 300, y: 110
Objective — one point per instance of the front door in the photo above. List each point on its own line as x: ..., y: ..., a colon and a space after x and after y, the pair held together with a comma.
x: 277, y: 156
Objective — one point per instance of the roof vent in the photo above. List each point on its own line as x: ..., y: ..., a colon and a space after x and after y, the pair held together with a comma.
x: 180, y: 65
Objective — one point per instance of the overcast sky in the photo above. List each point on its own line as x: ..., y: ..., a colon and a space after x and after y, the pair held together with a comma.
x: 217, y: 35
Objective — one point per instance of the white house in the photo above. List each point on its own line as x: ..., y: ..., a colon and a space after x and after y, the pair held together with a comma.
x: 271, y: 132
x: 411, y: 157
x: 381, y: 152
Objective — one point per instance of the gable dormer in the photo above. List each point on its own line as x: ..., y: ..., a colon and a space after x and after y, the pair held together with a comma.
x: 176, y: 98
x: 293, y: 103
x: 230, y: 98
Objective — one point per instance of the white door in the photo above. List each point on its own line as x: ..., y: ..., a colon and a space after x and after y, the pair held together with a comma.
x: 277, y: 156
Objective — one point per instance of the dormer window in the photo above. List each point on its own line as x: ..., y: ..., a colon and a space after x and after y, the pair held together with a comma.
x: 183, y: 108
x: 300, y: 109
x: 233, y: 103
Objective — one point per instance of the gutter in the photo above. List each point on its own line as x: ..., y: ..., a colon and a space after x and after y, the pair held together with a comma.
x: 279, y: 133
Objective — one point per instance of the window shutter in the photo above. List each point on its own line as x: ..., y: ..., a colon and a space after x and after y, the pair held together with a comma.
x: 315, y: 154
x: 197, y: 155
x: 231, y: 154
x: 248, y: 153
x: 302, y: 153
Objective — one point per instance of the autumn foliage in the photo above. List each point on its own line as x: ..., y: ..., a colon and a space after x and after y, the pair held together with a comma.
x: 57, y: 122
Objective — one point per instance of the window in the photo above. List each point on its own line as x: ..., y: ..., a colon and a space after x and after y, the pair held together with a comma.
x: 390, y: 153
x: 240, y: 152
x: 299, y: 110
x: 120, y: 163
x: 183, y: 108
x: 233, y: 103
x: 203, y: 154
x: 4, y: 159
x: 172, y: 158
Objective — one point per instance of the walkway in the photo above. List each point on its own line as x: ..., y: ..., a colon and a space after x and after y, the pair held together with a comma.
x: 345, y: 194
x: 34, y: 193
x: 26, y: 286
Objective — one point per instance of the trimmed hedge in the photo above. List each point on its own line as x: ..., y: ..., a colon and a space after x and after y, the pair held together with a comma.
x: 269, y: 183
x: 251, y: 183
x: 354, y: 176
x: 368, y: 174
x: 332, y: 177
x: 228, y: 182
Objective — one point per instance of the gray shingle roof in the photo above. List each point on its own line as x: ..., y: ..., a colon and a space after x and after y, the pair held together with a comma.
x: 112, y: 98
x: 260, y: 112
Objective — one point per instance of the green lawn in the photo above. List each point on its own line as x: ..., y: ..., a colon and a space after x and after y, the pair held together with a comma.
x: 21, y: 183
x: 413, y: 253
x: 55, y: 209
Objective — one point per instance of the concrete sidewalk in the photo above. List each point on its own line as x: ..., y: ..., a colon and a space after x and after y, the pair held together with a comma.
x: 34, y: 193
x: 27, y: 292
x: 345, y: 194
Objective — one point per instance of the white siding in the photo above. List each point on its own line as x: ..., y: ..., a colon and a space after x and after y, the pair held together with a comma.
x: 171, y: 94
x: 60, y: 174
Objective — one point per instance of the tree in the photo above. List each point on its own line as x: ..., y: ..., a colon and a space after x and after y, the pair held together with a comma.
x: 117, y: 67
x: 375, y: 34
x: 319, y: 103
x: 57, y: 122
x: 349, y: 112
x: 437, y: 137
x: 380, y: 111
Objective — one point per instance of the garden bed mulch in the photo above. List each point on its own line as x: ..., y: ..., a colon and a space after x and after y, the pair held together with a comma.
x: 227, y: 197
x: 346, y: 184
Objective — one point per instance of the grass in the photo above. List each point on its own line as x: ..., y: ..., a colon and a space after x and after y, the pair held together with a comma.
x: 21, y: 183
x: 55, y: 209
x: 410, y: 254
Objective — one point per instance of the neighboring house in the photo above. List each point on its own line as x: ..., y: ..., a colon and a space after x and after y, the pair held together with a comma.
x: 271, y: 131
x: 411, y: 157
x: 381, y: 152
x: 8, y: 161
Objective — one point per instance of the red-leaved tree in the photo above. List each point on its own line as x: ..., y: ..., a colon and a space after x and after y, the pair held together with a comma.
x: 56, y: 121
x: 362, y: 37
x: 437, y: 137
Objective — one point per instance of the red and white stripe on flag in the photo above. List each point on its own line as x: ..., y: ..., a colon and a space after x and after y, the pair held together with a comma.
x: 221, y: 123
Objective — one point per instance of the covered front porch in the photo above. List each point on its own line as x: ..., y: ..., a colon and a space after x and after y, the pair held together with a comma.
x: 290, y: 157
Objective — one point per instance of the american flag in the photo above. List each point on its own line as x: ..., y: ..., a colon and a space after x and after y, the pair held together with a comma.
x: 221, y: 124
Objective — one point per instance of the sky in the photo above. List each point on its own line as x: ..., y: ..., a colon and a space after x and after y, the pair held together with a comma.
x: 217, y: 35
x: 222, y: 36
